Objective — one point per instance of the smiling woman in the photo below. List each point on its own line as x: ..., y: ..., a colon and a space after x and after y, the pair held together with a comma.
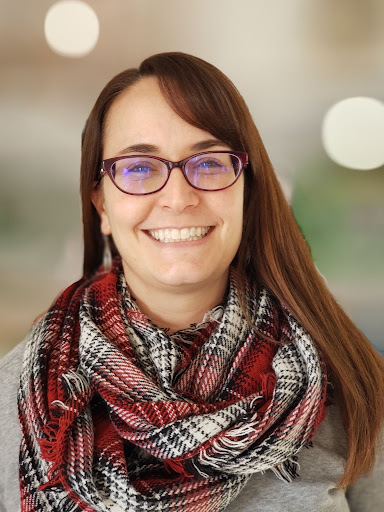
x: 201, y: 351
x: 188, y: 278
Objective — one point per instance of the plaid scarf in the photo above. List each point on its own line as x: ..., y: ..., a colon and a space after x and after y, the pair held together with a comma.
x: 118, y: 416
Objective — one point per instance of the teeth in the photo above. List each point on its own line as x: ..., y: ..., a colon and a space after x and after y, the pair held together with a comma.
x: 179, y: 235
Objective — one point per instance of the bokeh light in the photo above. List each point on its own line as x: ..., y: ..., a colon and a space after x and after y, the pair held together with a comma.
x: 71, y: 28
x: 353, y: 133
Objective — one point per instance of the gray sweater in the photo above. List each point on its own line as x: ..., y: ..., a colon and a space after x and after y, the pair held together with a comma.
x: 313, y: 490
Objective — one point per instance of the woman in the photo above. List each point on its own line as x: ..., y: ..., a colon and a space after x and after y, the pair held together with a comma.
x: 205, y: 366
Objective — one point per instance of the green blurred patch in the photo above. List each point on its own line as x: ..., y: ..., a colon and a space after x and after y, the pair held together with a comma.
x: 341, y: 214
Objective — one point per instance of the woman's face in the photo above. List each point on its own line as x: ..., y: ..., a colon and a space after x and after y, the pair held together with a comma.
x: 140, y: 121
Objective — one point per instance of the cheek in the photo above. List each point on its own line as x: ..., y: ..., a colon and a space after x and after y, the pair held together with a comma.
x: 233, y: 206
x: 125, y: 212
x: 120, y: 217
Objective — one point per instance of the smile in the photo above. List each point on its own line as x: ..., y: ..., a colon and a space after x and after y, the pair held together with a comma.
x: 171, y: 235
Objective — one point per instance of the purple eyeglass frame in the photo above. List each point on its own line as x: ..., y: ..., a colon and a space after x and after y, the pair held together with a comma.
x: 107, y: 169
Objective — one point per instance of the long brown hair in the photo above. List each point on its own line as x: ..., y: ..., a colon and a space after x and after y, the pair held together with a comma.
x: 272, y: 252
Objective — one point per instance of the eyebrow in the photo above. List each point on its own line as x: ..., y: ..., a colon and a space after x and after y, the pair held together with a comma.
x: 150, y: 148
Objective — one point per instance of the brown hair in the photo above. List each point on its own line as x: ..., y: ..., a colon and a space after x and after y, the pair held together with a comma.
x: 272, y: 252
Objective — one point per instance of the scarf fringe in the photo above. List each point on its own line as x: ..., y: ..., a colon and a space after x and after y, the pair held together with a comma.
x: 63, y: 415
x: 236, y: 440
x: 287, y: 471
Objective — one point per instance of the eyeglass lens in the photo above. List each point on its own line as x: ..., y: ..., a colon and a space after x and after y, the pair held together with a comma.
x: 142, y: 175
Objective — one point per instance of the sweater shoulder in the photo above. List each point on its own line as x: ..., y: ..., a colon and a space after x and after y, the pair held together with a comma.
x: 10, y: 370
x: 12, y: 359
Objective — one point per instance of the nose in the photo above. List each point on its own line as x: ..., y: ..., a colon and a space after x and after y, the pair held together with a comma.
x: 178, y: 193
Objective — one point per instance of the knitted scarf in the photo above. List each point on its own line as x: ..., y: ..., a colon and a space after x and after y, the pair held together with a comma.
x: 118, y: 416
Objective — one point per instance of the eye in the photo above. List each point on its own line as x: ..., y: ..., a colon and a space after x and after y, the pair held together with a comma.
x: 139, y: 174
x: 132, y: 168
x: 138, y: 168
x: 208, y: 166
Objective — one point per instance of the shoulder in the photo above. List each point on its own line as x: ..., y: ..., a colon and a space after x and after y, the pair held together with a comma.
x: 10, y: 370
x: 15, y: 354
x: 367, y: 493
x: 319, y: 469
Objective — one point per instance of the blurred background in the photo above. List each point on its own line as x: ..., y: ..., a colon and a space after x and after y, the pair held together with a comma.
x: 294, y: 62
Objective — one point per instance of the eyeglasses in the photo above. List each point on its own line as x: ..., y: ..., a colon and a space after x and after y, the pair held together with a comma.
x: 143, y: 174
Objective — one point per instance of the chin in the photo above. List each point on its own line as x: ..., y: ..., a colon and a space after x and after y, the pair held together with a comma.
x: 184, y: 275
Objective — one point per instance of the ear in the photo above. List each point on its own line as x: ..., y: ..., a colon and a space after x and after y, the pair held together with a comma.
x: 99, y: 203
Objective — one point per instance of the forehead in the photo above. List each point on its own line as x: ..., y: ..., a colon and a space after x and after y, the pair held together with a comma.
x: 141, y: 98
x: 140, y: 114
x: 140, y: 107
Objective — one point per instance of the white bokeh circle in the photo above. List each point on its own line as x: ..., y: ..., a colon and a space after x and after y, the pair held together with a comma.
x: 353, y: 133
x: 71, y: 28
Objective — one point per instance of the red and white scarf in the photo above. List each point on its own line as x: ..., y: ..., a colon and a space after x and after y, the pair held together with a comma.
x: 117, y: 416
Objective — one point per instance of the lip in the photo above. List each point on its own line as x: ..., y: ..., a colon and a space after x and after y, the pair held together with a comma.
x: 178, y: 244
x: 179, y: 227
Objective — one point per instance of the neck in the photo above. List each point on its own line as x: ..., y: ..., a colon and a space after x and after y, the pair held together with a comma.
x: 174, y: 308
